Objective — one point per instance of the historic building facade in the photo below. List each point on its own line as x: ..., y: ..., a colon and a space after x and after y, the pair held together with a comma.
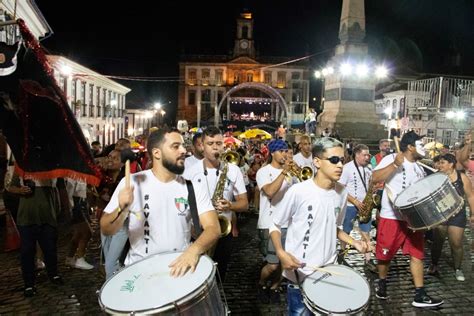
x: 209, y: 85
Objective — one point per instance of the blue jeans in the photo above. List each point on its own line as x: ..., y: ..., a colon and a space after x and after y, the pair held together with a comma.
x: 112, y: 247
x: 296, y: 306
x: 351, y: 215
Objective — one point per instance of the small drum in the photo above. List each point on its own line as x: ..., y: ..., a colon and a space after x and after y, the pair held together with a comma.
x: 348, y: 292
x: 428, y: 202
x: 146, y: 287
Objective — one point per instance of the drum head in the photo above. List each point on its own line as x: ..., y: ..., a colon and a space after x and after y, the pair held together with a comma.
x: 419, y: 190
x: 147, y: 285
x: 346, y: 293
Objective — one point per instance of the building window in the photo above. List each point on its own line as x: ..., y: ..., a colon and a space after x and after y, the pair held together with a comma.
x: 295, y: 97
x: 430, y: 133
x: 206, y: 95
x: 73, y: 90
x: 245, y: 32
x: 249, y: 77
x: 220, y: 95
x: 205, y: 75
x: 236, y: 77
x: 192, y: 77
x: 447, y: 136
x: 461, y: 136
x: 281, y: 80
x: 267, y: 78
x: 191, y: 97
x: 295, y: 76
x: 219, y: 77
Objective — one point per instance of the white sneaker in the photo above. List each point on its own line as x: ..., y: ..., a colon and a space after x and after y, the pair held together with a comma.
x: 70, y: 261
x: 39, y: 264
x: 459, y: 275
x: 81, y: 263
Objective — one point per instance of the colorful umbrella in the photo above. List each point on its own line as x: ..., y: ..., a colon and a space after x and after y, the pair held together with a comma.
x: 232, y: 140
x: 195, y: 130
x: 255, y: 133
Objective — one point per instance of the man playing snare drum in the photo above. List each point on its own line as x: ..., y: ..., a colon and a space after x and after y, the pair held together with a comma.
x: 314, y: 211
x: 160, y: 219
x: 398, y: 172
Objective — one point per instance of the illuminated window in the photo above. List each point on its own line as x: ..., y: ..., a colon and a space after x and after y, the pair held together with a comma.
x: 281, y: 79
x: 249, y: 77
x: 267, y: 77
x: 192, y: 77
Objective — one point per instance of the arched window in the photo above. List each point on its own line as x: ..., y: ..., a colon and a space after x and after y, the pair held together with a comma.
x: 245, y: 32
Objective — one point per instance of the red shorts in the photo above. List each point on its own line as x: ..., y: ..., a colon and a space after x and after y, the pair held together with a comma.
x: 393, y: 235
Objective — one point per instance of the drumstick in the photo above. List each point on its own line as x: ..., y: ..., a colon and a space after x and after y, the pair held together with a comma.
x: 127, y: 174
x: 397, y: 143
x: 427, y: 167
x: 327, y: 271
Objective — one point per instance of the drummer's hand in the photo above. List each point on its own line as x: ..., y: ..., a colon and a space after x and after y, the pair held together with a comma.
x: 187, y: 260
x: 370, y: 246
x: 125, y: 197
x: 288, y: 261
x: 361, y: 246
x: 358, y: 204
x: 399, y: 159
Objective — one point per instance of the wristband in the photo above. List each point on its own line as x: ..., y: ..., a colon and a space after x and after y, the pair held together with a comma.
x: 351, y: 242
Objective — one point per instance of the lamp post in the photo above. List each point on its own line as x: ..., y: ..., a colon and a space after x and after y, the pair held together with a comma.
x: 157, y: 107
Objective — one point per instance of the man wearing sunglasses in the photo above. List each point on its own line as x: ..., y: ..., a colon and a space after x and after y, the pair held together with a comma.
x: 399, y: 171
x: 314, y: 211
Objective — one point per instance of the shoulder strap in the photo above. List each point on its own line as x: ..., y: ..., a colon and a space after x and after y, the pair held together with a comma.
x: 193, y: 207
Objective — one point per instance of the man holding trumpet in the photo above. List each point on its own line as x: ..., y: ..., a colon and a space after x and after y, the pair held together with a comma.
x: 157, y: 199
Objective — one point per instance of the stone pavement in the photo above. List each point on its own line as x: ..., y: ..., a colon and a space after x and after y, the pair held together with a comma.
x: 78, y: 295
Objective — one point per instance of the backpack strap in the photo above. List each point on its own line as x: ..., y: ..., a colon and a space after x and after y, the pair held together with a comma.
x: 193, y: 207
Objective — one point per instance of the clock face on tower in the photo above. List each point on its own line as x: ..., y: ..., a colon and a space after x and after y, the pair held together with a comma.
x: 244, y: 44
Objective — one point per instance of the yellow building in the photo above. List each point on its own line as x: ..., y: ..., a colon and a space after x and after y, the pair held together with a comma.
x: 210, y: 85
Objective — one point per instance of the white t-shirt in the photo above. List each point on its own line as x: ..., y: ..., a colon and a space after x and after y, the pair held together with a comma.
x: 234, y: 185
x: 302, y: 161
x: 312, y: 116
x: 266, y: 175
x: 163, y: 220
x: 313, y: 214
x: 244, y: 169
x: 351, y: 179
x: 408, y: 173
x: 190, y: 161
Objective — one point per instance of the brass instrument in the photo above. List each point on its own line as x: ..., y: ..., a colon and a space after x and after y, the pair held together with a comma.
x: 302, y: 174
x: 227, y: 157
x: 371, y: 201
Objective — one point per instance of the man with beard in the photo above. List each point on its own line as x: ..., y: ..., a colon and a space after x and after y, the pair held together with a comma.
x: 398, y: 172
x: 313, y: 211
x: 158, y: 201
x: 384, y: 146
x: 205, y: 176
x: 198, y: 151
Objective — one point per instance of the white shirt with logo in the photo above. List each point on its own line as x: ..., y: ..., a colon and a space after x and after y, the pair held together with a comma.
x: 207, y: 181
x: 313, y: 214
x: 407, y: 174
x: 351, y: 179
x: 267, y: 175
x: 162, y: 219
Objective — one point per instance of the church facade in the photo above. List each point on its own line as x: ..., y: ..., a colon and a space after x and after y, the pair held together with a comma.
x: 210, y: 85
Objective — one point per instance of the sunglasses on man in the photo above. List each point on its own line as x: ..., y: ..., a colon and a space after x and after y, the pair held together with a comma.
x: 335, y: 159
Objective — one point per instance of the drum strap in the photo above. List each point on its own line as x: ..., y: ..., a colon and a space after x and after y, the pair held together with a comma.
x: 360, y: 175
x: 193, y: 208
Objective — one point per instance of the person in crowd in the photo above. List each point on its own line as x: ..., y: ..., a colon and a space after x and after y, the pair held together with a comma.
x: 399, y: 171
x: 197, y: 150
x: 273, y: 181
x: 304, y: 158
x: 161, y: 222
x: 454, y: 227
x: 313, y: 211
x: 96, y: 149
x: 208, y: 175
x: 384, y: 150
x: 356, y: 177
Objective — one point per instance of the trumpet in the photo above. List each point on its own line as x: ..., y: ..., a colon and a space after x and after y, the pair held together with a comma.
x: 302, y: 174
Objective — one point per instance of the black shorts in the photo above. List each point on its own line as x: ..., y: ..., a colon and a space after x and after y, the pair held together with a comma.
x: 458, y: 220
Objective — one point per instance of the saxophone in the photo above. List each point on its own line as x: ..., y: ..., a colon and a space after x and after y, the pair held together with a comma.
x: 371, y: 201
x: 224, y: 222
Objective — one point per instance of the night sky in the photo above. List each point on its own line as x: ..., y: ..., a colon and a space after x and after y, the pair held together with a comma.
x: 416, y: 36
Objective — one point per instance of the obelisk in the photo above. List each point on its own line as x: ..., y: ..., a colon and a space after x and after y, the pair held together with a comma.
x: 349, y: 98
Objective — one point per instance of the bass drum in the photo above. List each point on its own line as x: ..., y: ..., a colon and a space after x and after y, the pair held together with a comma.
x: 344, y: 292
x: 146, y: 287
x: 428, y: 202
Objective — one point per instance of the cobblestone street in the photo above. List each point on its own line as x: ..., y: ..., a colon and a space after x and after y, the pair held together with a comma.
x: 78, y: 295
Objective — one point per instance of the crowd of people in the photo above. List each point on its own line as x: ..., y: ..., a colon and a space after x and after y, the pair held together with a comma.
x: 302, y: 223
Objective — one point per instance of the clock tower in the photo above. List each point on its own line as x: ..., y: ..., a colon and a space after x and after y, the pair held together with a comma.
x: 244, y: 43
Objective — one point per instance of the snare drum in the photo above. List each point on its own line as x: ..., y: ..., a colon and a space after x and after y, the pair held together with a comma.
x: 146, y: 287
x: 348, y: 292
x: 428, y: 202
